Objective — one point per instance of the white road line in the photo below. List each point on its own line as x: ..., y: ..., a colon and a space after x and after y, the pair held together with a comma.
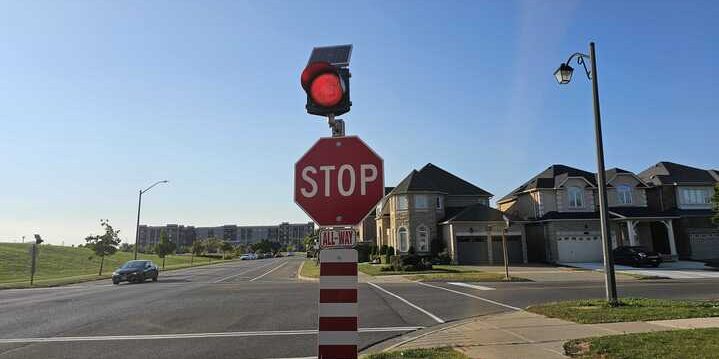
x: 471, y: 296
x: 478, y: 287
x: 268, y: 272
x: 241, y: 273
x: 436, y: 318
x: 194, y: 335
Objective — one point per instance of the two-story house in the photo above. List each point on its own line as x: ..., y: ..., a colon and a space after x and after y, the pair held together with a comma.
x: 432, y: 210
x: 686, y: 192
x: 560, y: 206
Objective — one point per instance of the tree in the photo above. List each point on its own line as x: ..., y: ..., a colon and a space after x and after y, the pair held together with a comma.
x: 164, y: 248
x: 225, y: 247
x: 126, y: 247
x: 212, y: 245
x: 715, y: 204
x: 104, y: 244
x: 198, y: 247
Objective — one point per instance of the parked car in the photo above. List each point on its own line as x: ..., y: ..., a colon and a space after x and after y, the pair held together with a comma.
x: 268, y: 255
x: 278, y: 255
x: 248, y: 256
x: 290, y: 254
x: 636, y: 256
x: 136, y: 271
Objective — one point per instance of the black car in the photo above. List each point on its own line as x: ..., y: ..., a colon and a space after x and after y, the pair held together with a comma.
x: 136, y: 271
x: 636, y: 256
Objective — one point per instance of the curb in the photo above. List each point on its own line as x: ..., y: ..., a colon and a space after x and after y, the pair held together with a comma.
x: 301, y: 277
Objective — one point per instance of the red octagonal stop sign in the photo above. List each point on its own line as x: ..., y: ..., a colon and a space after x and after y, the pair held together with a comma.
x: 338, y: 181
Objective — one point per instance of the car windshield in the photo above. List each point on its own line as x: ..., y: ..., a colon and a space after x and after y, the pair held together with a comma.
x: 133, y: 264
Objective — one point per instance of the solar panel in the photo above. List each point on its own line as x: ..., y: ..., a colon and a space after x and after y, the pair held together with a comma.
x: 338, y: 55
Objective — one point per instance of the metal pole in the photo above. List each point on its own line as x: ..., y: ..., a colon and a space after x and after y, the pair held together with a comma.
x: 610, y: 281
x: 32, y: 267
x: 504, y: 250
x: 137, y: 227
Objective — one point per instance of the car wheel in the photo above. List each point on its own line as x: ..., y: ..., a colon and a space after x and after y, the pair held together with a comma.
x: 115, y: 282
x: 154, y: 279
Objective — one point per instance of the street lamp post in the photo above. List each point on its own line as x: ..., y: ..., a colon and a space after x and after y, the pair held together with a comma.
x: 139, y: 204
x: 563, y: 75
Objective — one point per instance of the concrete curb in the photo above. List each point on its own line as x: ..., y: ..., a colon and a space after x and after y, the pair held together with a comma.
x: 301, y: 277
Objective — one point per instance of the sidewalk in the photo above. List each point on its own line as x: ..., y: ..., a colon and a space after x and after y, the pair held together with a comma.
x: 524, y: 335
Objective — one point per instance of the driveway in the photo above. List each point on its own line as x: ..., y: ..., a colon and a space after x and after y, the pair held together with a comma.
x: 673, y: 270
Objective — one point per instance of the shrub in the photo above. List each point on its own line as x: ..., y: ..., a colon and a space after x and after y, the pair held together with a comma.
x: 410, y: 262
x: 443, y: 258
x: 383, y: 249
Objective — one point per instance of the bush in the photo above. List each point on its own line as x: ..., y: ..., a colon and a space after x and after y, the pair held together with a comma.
x: 363, y: 253
x: 383, y: 250
x: 385, y: 258
x: 443, y: 258
x: 410, y: 263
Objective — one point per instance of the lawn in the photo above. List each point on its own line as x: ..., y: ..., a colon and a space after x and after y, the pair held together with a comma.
x: 435, y: 353
x: 631, y: 309
x: 376, y: 269
x: 685, y: 344
x: 57, y: 265
x: 310, y: 269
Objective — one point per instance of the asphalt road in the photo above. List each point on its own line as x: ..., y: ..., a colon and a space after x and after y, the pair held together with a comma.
x: 256, y: 309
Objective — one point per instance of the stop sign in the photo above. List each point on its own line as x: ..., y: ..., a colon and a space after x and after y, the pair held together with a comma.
x: 338, y: 181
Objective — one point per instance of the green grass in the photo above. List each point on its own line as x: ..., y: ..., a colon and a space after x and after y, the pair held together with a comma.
x: 57, y: 265
x: 464, y: 277
x: 376, y: 269
x: 310, y: 269
x: 434, y: 353
x: 685, y: 344
x: 630, y: 309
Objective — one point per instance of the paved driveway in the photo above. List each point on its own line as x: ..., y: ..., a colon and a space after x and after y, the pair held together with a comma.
x: 673, y: 270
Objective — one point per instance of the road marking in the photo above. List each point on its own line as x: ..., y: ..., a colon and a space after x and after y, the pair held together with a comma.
x: 478, y: 287
x: 471, y: 296
x: 268, y: 272
x: 194, y: 335
x: 241, y: 273
x: 436, y: 318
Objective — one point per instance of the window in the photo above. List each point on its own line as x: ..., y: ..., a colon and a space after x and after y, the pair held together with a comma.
x: 438, y: 202
x: 421, y: 201
x: 422, y: 238
x: 403, y: 239
x: 576, y: 198
x: 696, y: 196
x: 624, y: 194
x: 402, y: 203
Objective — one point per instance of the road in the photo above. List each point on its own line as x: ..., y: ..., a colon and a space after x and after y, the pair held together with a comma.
x: 256, y: 309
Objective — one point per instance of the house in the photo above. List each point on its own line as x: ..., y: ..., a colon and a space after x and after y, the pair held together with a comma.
x: 432, y: 210
x: 686, y: 192
x: 561, y: 208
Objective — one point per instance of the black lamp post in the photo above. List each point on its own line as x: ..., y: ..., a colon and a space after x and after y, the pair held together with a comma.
x: 564, y: 75
x: 139, y: 204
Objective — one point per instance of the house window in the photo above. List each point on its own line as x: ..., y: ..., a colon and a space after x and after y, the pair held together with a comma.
x: 438, y: 202
x: 624, y: 194
x: 421, y: 201
x: 402, y: 203
x: 403, y: 239
x: 695, y: 196
x: 576, y: 198
x: 422, y: 238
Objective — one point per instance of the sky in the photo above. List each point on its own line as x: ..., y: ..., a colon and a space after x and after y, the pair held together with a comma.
x: 99, y: 99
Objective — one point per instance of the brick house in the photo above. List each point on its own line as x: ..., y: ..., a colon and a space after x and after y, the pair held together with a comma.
x: 432, y: 208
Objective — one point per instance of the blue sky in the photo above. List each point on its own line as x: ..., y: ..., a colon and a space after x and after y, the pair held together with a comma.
x: 100, y: 98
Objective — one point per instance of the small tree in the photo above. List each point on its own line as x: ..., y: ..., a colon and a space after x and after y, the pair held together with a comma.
x: 715, y: 204
x: 225, y: 247
x: 104, y: 244
x: 126, y: 247
x: 164, y: 248
x: 198, y: 247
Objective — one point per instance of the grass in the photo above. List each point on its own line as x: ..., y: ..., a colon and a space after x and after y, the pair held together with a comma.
x: 310, y: 269
x: 376, y: 269
x: 58, y: 265
x: 434, y: 353
x: 630, y: 309
x: 685, y: 344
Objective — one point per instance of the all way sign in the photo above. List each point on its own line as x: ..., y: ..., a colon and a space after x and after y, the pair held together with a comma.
x: 338, y: 238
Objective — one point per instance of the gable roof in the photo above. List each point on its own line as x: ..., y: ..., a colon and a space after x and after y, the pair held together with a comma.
x: 668, y: 173
x: 433, y: 178
x: 478, y: 213
x: 613, y: 172
x: 552, y: 177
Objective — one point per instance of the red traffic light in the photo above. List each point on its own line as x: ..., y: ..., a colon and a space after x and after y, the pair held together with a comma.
x: 327, y: 91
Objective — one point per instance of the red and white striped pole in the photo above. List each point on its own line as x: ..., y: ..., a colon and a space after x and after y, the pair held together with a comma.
x: 338, y: 338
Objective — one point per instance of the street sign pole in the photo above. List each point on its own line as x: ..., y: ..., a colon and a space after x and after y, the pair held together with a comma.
x: 33, y: 253
x: 337, y: 337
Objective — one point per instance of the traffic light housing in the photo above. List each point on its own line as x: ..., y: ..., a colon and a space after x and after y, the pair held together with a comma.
x: 38, y: 240
x: 327, y: 88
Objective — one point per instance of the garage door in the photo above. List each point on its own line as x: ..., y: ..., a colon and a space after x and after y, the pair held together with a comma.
x: 579, y: 248
x: 472, y: 250
x: 704, y: 245
x: 514, y: 249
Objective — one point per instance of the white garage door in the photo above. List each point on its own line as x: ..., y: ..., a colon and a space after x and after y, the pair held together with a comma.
x: 579, y: 248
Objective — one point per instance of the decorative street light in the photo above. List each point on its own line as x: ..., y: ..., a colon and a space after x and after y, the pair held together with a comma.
x: 563, y: 75
x: 139, y: 204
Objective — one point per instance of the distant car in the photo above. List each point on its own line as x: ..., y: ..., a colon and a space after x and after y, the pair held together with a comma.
x: 636, y: 256
x: 290, y: 254
x: 267, y: 255
x: 248, y: 256
x: 278, y: 255
x: 136, y: 271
